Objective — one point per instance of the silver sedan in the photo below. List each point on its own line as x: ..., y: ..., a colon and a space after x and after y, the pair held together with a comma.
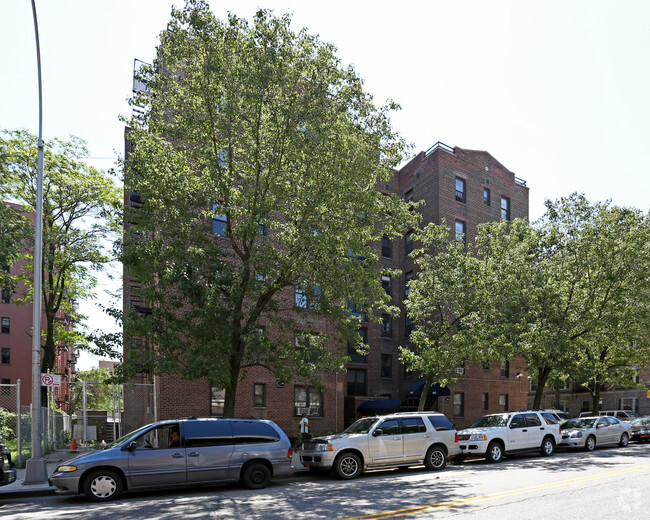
x: 589, y: 432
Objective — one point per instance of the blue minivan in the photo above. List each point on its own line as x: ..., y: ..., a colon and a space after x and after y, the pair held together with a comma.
x: 180, y: 453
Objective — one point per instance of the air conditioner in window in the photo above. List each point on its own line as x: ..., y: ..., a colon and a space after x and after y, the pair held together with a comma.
x: 459, y: 370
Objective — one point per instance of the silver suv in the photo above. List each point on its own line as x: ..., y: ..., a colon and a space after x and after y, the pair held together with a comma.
x: 496, y: 435
x: 399, y: 439
x: 184, y: 452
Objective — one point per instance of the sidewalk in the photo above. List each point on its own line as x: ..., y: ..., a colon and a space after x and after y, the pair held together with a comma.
x: 18, y: 490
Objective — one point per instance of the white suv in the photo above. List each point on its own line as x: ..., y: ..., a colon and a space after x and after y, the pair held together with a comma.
x: 399, y: 439
x: 496, y: 435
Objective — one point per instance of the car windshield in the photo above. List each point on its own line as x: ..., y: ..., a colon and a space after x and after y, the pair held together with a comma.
x: 640, y: 421
x: 491, y: 420
x: 125, y: 437
x: 362, y: 425
x: 578, y: 423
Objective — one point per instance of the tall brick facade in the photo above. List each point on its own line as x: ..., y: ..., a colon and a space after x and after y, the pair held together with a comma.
x: 431, y: 177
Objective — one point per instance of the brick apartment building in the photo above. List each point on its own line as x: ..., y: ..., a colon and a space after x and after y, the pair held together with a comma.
x: 16, y: 346
x: 465, y: 188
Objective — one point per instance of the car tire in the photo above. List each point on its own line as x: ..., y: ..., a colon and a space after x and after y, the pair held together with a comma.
x: 590, y: 443
x: 347, y: 466
x: 547, y: 448
x: 494, y: 452
x: 436, y: 458
x: 103, y: 485
x: 256, y: 476
x: 625, y: 439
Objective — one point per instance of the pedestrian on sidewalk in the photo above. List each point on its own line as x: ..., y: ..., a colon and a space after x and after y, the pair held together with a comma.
x: 303, y: 428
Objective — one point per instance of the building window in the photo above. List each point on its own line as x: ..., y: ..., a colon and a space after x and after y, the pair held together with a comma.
x: 356, y: 310
x: 503, y: 402
x: 460, y: 190
x: 408, y: 242
x: 386, y: 365
x: 6, y: 390
x: 6, y: 328
x: 533, y: 385
x: 460, y: 232
x: 219, y: 222
x: 387, y: 285
x: 217, y: 401
x: 505, y: 368
x: 355, y: 357
x: 628, y: 403
x: 486, y: 197
x: 6, y: 291
x: 459, y: 404
x: 6, y: 356
x: 505, y: 208
x: 357, y: 382
x: 486, y: 365
x: 408, y: 196
x: 407, y: 278
x: 408, y: 325
x: 386, y: 326
x: 386, y: 247
x: 308, y: 298
x: 485, y: 402
x: 259, y: 395
x: 309, y: 400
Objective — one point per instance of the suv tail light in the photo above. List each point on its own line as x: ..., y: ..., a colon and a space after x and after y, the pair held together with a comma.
x: 456, y: 439
x: 290, y: 452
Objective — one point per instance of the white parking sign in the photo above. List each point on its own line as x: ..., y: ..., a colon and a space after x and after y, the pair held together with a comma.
x: 51, y: 380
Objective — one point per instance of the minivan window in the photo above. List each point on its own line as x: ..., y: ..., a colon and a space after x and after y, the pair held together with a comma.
x: 157, y: 438
x: 207, y: 433
x: 252, y: 432
x: 440, y: 422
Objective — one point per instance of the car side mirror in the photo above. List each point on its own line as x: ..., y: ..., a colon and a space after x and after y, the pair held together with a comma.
x: 377, y: 432
x: 132, y: 446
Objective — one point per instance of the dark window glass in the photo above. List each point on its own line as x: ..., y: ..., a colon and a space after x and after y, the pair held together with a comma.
x: 407, y: 278
x: 259, y: 394
x: 6, y: 295
x: 485, y: 402
x: 355, y: 357
x: 253, y: 432
x: 548, y: 417
x: 308, y: 400
x: 486, y: 196
x: 532, y: 420
x: 386, y: 326
x: 408, y: 325
x: 6, y: 390
x: 6, y: 328
x: 6, y: 356
x: 356, y: 310
x: 459, y: 404
x: 503, y: 402
x: 387, y: 285
x: 518, y: 421
x: 460, y: 190
x: 207, y: 433
x: 505, y: 208
x: 308, y: 298
x: 357, y: 382
x: 460, y: 231
x: 219, y: 222
x: 413, y: 425
x: 157, y: 438
x: 390, y: 427
x: 408, y: 242
x: 386, y: 247
x: 408, y: 196
x: 440, y: 423
x: 386, y: 365
x: 505, y: 368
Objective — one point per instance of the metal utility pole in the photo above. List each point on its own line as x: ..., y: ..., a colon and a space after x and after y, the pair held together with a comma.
x: 36, y: 470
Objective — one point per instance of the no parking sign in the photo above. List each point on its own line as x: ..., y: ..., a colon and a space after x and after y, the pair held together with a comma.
x: 51, y: 380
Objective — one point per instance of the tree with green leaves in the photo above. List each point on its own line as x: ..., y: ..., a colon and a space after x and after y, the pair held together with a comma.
x: 254, y: 177
x: 443, y: 306
x: 99, y: 390
x: 79, y: 208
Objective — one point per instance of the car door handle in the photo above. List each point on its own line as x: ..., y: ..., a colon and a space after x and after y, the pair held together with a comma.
x: 524, y: 430
x: 426, y: 436
x: 177, y: 455
x: 193, y: 454
x: 541, y: 428
x: 397, y: 438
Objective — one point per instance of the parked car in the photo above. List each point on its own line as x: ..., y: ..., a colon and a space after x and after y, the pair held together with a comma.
x: 7, y: 469
x: 496, y: 435
x: 589, y: 432
x: 623, y: 415
x: 640, y: 429
x: 209, y: 451
x: 398, y: 439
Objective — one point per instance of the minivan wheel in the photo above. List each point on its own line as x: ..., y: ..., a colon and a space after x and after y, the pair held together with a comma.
x: 347, y: 466
x: 590, y: 443
x: 625, y: 438
x: 436, y: 459
x: 494, y: 452
x: 103, y: 485
x: 547, y: 448
x: 256, y: 476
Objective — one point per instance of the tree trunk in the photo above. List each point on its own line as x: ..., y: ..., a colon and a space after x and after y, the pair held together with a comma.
x: 423, y: 395
x: 542, y: 376
x: 595, y: 399
x: 49, y: 358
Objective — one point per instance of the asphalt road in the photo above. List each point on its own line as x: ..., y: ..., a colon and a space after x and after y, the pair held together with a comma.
x: 608, y: 483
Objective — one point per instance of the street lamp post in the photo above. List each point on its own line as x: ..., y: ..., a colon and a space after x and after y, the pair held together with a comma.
x: 36, y: 470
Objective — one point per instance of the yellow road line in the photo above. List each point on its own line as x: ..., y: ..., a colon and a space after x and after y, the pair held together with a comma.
x: 501, y: 494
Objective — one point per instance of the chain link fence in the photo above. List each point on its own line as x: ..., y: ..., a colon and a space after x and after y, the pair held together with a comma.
x: 78, y: 414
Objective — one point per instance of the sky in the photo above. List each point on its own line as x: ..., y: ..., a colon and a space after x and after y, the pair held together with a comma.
x: 557, y: 91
